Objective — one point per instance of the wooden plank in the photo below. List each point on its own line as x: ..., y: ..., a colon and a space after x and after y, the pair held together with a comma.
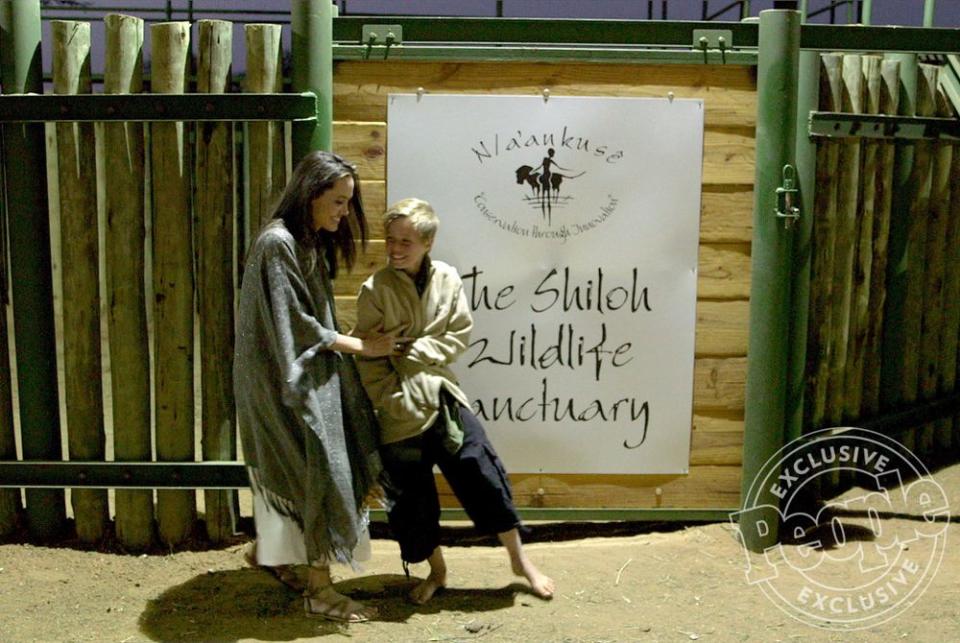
x: 80, y: 272
x: 719, y: 384
x: 718, y: 421
x: 360, y: 89
x: 817, y: 370
x: 728, y: 152
x: 215, y: 267
x: 722, y: 328
x: 726, y: 213
x: 724, y: 270
x: 172, y: 281
x: 724, y: 448
x: 365, y: 145
x: 705, y: 486
x: 848, y: 193
x: 889, y: 103
x: 124, y: 249
x: 266, y: 163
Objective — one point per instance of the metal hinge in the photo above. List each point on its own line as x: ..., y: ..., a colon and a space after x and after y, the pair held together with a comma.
x: 786, y: 195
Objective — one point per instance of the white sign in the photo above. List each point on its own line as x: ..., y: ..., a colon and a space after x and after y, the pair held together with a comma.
x: 574, y: 224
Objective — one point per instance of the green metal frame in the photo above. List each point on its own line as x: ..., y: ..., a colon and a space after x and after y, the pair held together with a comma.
x: 768, y: 349
x: 30, y: 261
x: 843, y: 125
x: 312, y: 26
x: 157, y: 107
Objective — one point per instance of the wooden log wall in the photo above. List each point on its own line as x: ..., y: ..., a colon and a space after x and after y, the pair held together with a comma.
x: 188, y: 193
x: 729, y: 94
x: 848, y: 284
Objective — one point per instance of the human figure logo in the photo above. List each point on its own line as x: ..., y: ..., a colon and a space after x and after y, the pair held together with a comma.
x: 892, y: 523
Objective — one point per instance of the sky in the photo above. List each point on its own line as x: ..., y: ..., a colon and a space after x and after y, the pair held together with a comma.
x: 885, y: 12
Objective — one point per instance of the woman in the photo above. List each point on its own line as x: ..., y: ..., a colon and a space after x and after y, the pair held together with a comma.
x: 308, y: 431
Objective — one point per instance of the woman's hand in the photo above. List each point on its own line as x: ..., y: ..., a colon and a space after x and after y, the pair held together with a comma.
x: 384, y: 345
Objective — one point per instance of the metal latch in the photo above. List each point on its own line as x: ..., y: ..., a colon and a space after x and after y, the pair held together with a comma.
x: 786, y: 196
x: 381, y: 35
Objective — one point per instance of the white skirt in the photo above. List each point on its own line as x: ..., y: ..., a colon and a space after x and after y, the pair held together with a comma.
x: 280, y: 539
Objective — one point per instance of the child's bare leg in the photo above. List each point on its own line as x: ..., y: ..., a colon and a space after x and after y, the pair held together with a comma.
x: 323, y: 600
x: 541, y: 584
x: 437, y: 579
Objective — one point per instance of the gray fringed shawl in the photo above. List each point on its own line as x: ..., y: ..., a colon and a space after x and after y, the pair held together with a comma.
x: 308, y: 431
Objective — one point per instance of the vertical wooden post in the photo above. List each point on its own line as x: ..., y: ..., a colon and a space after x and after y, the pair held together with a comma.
x: 824, y: 232
x: 124, y: 249
x: 264, y: 140
x: 863, y: 253
x: 172, y: 280
x: 918, y: 238
x: 951, y: 322
x: 215, y: 240
x: 79, y: 269
x: 889, y: 100
x: 932, y: 359
x: 844, y: 247
x: 32, y: 278
x: 899, y: 336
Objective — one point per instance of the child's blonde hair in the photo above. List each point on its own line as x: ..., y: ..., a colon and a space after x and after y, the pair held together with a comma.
x: 420, y: 213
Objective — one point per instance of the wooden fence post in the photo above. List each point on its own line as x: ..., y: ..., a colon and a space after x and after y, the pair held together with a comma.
x: 863, y: 254
x: 123, y: 163
x: 918, y: 239
x: 79, y: 269
x: 951, y: 342
x: 265, y: 152
x: 172, y: 280
x: 843, y: 250
x: 215, y: 242
x: 889, y: 99
x: 933, y: 361
x: 821, y: 269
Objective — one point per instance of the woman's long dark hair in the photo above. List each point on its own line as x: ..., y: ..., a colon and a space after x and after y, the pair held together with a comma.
x: 313, y: 176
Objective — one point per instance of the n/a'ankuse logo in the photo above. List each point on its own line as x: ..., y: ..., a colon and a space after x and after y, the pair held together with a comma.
x: 890, y: 530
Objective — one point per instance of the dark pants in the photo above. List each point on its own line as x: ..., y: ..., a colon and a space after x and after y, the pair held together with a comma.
x: 475, y: 474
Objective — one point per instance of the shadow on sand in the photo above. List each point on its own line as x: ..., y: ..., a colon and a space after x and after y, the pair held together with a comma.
x: 250, y: 604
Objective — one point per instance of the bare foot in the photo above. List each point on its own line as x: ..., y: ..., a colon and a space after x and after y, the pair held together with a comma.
x: 330, y: 604
x: 541, y: 584
x: 429, y: 586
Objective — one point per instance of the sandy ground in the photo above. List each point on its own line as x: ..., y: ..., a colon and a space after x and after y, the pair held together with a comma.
x: 616, y: 582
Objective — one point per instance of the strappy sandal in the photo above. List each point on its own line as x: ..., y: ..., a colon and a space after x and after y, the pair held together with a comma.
x: 286, y: 574
x: 336, y: 610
